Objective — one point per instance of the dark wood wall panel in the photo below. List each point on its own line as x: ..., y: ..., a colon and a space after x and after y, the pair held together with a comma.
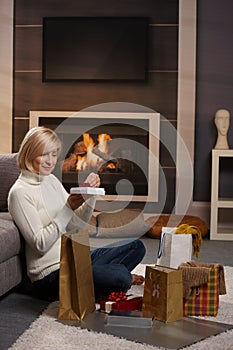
x: 159, y: 93
x: 163, y: 48
x: 167, y: 143
x: 21, y: 126
x: 159, y: 11
x: 28, y: 48
x: 166, y: 192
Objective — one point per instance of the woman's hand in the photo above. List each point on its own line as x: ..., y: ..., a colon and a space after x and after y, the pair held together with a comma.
x: 74, y: 201
x: 93, y: 180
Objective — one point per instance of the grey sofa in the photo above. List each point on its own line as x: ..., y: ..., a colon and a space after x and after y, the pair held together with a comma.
x: 11, y: 244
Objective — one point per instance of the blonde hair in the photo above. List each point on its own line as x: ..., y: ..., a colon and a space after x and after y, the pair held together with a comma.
x: 35, y: 143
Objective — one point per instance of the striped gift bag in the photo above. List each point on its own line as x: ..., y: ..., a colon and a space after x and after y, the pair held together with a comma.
x: 204, y: 299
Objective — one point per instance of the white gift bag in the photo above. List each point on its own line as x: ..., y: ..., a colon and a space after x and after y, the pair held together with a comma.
x: 174, y: 249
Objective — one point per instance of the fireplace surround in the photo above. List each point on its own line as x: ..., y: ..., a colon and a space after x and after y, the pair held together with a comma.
x: 122, y: 147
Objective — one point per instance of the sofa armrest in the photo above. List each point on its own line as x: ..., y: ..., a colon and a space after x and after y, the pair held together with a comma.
x: 9, y: 172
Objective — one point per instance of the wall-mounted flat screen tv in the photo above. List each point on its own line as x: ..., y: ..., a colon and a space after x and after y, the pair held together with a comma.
x: 94, y: 48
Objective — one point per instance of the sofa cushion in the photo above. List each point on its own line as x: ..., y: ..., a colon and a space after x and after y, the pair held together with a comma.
x: 8, y: 174
x: 124, y: 223
x: 10, y: 239
x: 92, y: 226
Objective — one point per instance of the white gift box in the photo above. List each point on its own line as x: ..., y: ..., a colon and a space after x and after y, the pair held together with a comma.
x: 174, y: 249
x: 88, y: 190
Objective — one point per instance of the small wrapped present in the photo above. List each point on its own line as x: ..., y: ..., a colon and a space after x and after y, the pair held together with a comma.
x: 120, y: 301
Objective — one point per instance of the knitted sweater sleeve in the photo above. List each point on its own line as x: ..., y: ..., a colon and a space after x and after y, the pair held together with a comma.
x: 39, y: 234
x: 82, y: 215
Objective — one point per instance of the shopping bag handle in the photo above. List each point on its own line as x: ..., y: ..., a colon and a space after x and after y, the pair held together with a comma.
x: 161, y: 245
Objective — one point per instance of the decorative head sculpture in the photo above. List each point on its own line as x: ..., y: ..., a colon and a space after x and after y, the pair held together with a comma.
x: 222, y: 122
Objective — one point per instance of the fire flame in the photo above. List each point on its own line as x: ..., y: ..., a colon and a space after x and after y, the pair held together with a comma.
x: 102, y: 142
x: 90, y: 159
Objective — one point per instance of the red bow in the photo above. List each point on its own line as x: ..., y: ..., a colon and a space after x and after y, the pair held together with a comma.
x: 117, y: 296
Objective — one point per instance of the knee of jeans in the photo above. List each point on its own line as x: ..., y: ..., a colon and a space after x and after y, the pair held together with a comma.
x: 123, y: 280
x: 141, y: 248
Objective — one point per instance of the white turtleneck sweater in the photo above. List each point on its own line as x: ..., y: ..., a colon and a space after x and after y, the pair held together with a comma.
x: 38, y: 207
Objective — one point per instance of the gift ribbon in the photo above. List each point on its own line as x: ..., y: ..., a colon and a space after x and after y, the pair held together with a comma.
x: 117, y: 296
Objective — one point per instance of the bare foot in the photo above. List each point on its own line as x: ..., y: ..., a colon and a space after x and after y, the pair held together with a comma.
x: 137, y: 279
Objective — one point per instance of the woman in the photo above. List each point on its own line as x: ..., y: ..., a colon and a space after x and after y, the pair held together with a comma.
x: 43, y: 211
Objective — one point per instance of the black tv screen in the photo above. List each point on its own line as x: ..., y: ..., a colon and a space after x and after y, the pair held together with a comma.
x: 94, y: 48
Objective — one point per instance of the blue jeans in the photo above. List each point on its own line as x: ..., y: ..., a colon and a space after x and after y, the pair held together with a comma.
x: 111, y: 271
x: 112, y: 267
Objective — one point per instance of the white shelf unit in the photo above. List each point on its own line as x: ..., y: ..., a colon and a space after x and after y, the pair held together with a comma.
x: 219, y: 230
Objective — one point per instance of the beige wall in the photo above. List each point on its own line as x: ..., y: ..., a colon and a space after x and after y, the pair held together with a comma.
x: 6, y: 70
x: 186, y: 105
x: 186, y: 114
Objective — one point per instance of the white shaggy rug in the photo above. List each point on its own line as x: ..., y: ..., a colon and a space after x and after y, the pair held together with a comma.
x: 48, y: 334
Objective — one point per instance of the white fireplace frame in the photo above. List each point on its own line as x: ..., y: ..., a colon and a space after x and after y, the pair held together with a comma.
x: 154, y: 137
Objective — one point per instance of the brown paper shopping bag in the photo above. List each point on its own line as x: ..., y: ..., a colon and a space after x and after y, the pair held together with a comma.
x: 163, y: 293
x: 76, y: 288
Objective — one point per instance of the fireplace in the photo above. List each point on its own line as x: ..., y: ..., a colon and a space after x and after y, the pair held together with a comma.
x: 123, y: 148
